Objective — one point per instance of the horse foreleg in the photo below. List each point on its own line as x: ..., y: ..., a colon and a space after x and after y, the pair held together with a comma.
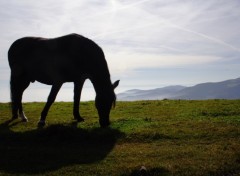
x: 51, y: 99
x: 77, y: 95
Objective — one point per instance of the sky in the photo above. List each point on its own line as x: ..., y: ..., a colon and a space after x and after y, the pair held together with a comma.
x: 147, y: 43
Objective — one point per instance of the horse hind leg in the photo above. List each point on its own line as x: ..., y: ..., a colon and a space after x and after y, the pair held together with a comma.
x: 18, y: 85
x: 22, y: 114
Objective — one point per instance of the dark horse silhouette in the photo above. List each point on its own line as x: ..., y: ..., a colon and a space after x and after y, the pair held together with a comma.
x: 70, y: 58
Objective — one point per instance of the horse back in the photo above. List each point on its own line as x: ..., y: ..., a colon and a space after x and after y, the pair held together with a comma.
x: 63, y: 59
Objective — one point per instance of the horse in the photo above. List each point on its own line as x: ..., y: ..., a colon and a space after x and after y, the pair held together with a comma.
x: 54, y: 61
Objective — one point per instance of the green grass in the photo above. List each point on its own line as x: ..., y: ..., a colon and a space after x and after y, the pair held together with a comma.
x: 169, y: 137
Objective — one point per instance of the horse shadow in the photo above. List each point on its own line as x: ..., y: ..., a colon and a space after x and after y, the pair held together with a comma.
x: 48, y: 149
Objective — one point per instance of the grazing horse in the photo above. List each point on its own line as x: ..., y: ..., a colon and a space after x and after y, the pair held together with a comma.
x: 70, y: 58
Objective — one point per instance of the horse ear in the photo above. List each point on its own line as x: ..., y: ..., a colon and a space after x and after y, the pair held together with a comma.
x: 115, y: 84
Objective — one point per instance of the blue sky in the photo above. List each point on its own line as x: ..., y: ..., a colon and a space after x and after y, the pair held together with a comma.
x: 147, y: 43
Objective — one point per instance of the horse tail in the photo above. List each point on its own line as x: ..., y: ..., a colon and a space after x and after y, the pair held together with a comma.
x: 10, y: 102
x: 12, y: 98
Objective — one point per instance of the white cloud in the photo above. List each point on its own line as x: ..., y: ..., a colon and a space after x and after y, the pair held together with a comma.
x: 123, y: 62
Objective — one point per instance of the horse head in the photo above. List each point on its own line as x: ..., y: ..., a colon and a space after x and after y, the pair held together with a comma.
x: 104, y: 102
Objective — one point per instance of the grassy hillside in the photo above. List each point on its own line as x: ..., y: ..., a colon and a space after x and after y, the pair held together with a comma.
x: 167, y: 137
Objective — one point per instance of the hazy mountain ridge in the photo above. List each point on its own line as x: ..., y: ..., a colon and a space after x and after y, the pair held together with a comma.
x: 229, y: 89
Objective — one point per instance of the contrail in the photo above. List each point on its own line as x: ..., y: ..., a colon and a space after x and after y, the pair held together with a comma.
x: 136, y: 28
x: 161, y: 20
x: 177, y: 27
x: 205, y: 36
x: 124, y: 30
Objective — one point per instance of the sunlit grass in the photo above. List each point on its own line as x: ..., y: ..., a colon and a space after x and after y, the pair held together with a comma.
x: 169, y: 137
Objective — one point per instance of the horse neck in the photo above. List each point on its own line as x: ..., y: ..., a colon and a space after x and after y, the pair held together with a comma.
x: 102, y: 86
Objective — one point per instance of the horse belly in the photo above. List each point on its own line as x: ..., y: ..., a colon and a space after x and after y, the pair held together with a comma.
x: 59, y: 74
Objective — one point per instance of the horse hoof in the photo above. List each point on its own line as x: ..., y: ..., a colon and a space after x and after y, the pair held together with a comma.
x: 14, y: 117
x: 25, y: 120
x: 41, y: 124
x: 23, y: 117
x: 80, y: 119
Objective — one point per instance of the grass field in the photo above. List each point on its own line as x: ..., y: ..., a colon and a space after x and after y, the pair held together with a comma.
x: 168, y: 137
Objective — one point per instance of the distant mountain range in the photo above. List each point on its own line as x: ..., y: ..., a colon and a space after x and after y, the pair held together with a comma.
x: 229, y: 89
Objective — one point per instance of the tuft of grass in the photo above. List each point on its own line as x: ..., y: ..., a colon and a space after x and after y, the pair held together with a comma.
x: 168, y: 137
